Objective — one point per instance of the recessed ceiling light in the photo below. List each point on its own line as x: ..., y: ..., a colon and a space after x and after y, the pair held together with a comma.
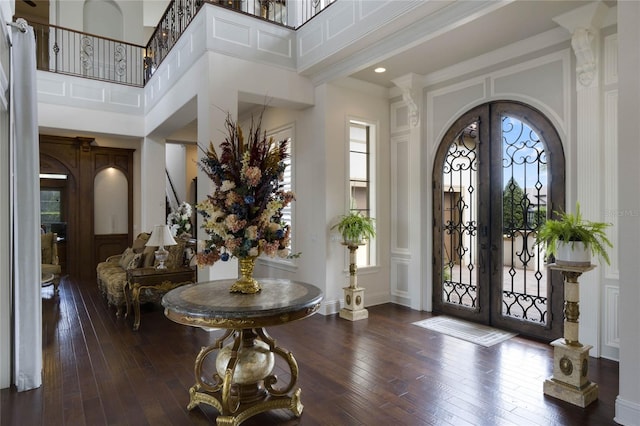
x: 380, y: 70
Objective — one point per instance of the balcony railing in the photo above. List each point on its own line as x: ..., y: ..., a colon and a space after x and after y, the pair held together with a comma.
x: 179, y: 14
x: 70, y: 52
x: 66, y: 51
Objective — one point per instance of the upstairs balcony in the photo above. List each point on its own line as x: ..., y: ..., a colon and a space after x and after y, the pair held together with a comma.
x: 65, y: 51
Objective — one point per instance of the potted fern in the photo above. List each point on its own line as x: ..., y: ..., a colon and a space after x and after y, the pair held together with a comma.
x: 355, y: 228
x: 573, y: 239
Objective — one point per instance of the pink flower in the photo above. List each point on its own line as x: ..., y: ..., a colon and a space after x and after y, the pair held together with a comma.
x: 252, y: 175
x: 234, y: 224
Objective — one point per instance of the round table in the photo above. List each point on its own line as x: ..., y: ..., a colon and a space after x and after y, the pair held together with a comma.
x: 243, y: 384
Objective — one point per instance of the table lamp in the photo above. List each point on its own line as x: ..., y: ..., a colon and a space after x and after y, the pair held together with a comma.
x: 160, y: 237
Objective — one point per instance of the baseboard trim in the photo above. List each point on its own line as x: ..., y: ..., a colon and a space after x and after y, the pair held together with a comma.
x: 627, y: 412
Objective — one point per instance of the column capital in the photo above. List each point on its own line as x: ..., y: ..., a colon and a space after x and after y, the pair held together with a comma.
x: 584, y: 26
x: 410, y: 86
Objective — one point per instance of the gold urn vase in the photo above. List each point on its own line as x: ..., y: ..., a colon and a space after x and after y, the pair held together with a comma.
x: 246, y: 284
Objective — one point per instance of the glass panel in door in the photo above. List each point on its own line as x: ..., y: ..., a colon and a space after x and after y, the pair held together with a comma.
x: 460, y: 221
x: 524, y: 209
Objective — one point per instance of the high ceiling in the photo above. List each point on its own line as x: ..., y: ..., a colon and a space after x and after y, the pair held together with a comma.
x: 33, y: 10
x: 505, y: 25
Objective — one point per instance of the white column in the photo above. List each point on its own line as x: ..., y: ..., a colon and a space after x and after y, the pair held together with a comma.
x: 152, y: 179
x: 628, y: 400
x: 583, y: 24
x: 213, y: 106
x: 419, y: 295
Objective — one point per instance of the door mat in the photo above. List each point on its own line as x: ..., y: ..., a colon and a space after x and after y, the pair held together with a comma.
x: 465, y: 330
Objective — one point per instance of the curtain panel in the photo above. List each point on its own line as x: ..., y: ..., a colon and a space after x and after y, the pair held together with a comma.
x: 27, y: 302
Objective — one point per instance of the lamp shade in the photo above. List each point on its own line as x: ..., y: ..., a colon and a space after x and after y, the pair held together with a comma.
x: 161, y: 236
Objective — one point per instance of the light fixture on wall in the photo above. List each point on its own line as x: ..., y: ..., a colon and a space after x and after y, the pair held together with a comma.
x: 160, y: 237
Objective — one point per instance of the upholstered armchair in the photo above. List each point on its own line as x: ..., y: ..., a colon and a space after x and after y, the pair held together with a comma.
x: 50, y: 266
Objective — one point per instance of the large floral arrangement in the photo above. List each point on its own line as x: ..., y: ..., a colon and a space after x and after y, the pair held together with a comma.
x: 243, y: 216
x: 179, y: 220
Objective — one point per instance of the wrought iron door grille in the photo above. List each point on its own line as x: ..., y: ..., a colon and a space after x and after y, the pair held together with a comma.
x: 459, y: 177
x: 524, y: 165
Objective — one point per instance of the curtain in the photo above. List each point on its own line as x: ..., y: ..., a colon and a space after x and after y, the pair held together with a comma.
x: 27, y: 302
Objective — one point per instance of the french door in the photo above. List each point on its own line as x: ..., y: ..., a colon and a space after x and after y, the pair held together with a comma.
x: 498, y: 175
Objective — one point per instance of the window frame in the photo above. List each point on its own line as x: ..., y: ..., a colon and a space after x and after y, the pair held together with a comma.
x: 373, y: 127
x: 286, y: 264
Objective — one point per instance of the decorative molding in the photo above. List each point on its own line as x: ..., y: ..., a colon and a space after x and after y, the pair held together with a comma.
x: 400, y: 278
x: 330, y: 307
x: 582, y: 42
x: 408, y: 96
x: 583, y: 24
x: 534, y: 95
x: 610, y: 60
x: 400, y: 168
x: 399, y: 117
x: 463, y: 96
x: 78, y: 92
x: 611, y: 303
x: 231, y: 32
x: 274, y: 44
x: 410, y: 84
x: 341, y: 22
x: 610, y: 177
x: 627, y: 412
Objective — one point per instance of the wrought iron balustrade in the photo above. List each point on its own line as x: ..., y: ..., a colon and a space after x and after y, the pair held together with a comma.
x: 180, y: 13
x: 66, y: 51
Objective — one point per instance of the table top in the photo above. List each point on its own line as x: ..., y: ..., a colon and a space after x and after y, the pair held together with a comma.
x: 210, y: 304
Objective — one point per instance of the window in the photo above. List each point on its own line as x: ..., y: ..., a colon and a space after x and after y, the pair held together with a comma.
x: 287, y: 183
x: 361, y: 180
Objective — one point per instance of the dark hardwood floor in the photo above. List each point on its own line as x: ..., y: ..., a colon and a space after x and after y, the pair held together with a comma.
x: 379, y: 371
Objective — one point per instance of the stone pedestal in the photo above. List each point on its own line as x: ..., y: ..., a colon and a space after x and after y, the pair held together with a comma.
x: 353, y: 295
x: 354, y: 304
x: 570, y: 357
x: 570, y: 368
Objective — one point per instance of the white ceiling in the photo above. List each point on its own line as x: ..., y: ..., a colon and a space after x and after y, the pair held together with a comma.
x: 503, y: 23
x: 506, y: 23
x: 515, y: 21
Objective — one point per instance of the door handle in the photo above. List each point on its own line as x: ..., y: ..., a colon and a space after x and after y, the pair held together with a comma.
x: 494, y: 250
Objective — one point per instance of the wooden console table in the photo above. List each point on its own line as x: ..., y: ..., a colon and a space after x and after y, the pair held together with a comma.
x: 159, y: 281
x: 243, y: 384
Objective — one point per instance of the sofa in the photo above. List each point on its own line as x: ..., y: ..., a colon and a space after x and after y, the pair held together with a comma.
x: 50, y: 265
x: 112, y: 273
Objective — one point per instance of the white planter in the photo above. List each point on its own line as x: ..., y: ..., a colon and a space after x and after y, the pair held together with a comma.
x: 573, y: 254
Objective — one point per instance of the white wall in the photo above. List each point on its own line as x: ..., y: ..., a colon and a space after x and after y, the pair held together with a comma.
x: 71, y: 14
x: 347, y: 100
x: 110, y: 202
x: 321, y: 152
x: 545, y: 80
x: 176, y: 160
x: 628, y: 400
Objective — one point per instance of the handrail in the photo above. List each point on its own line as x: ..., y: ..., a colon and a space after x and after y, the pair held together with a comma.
x: 65, y: 51
x: 175, y: 20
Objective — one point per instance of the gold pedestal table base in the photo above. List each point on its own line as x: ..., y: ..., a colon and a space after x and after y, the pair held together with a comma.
x: 243, y: 383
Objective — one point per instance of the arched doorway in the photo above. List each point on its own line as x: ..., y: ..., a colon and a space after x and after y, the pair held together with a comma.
x: 498, y: 174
